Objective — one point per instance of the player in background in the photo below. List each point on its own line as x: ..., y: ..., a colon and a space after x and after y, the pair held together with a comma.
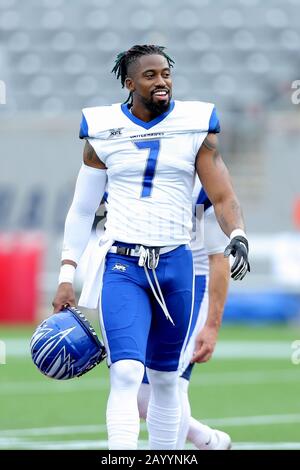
x: 211, y: 286
x: 141, y: 273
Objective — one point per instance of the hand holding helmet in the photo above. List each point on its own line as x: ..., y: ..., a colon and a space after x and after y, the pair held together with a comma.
x: 65, y: 345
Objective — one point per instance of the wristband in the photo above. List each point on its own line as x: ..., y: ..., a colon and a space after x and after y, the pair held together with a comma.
x: 66, y: 274
x: 238, y: 232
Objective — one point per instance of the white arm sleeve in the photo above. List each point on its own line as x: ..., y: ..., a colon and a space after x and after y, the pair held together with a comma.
x: 215, y: 240
x: 89, y: 191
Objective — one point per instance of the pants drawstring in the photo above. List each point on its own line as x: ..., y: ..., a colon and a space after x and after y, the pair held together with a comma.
x: 149, y: 258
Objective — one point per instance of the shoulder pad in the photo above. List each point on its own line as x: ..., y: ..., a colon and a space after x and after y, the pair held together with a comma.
x: 99, y: 119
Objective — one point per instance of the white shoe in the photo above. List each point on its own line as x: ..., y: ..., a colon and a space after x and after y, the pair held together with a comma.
x: 218, y: 441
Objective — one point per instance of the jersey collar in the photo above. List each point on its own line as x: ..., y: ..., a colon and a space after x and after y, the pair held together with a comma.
x: 149, y: 124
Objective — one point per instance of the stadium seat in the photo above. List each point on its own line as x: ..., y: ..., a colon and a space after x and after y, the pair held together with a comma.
x: 236, y: 42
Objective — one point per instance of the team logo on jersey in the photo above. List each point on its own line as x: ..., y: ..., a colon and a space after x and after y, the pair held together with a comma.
x: 115, y: 132
x: 119, y: 267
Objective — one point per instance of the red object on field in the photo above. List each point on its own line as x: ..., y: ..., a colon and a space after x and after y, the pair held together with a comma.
x: 20, y: 265
x: 296, y: 212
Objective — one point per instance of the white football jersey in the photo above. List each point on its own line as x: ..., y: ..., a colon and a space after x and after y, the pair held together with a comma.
x: 207, y: 237
x: 150, y: 168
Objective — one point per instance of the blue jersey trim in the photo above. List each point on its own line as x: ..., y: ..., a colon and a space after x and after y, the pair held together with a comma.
x: 203, y: 199
x: 214, y: 124
x: 84, y: 128
x: 146, y: 125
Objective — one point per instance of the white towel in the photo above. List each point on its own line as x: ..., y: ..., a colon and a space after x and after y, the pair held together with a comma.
x: 92, y: 285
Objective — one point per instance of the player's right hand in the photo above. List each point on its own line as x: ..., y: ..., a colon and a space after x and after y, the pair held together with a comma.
x: 65, y: 295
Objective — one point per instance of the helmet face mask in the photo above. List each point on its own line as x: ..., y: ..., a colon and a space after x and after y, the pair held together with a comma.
x: 65, y: 345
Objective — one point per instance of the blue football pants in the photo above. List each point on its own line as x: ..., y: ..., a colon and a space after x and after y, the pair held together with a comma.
x: 133, y: 324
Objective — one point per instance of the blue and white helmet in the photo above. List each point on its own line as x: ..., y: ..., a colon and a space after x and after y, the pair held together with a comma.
x: 65, y: 345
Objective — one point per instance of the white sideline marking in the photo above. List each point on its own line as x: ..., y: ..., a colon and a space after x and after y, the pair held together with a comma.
x: 225, y: 349
x: 51, y: 386
x: 253, y: 349
x: 102, y: 444
x: 206, y: 379
x: 56, y: 430
x: 266, y: 446
x: 70, y: 445
x: 246, y: 377
x: 262, y: 420
x: 101, y: 428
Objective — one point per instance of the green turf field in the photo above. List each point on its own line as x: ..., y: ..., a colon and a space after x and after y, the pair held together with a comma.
x: 251, y: 389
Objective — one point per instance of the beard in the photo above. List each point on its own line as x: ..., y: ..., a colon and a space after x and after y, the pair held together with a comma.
x: 156, y: 108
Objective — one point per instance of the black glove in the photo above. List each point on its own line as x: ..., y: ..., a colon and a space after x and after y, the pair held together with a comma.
x: 238, y: 247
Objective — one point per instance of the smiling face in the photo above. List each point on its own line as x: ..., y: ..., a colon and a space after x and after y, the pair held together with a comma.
x: 149, y: 80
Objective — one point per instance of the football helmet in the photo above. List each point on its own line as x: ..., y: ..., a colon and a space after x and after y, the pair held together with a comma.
x: 65, y: 345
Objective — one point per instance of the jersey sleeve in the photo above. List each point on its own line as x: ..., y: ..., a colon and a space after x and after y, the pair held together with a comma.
x: 214, y: 123
x: 84, y: 128
x: 85, y: 132
x: 215, y: 240
x: 203, y: 199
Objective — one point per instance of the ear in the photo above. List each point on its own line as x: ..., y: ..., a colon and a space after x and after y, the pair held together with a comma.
x: 129, y: 83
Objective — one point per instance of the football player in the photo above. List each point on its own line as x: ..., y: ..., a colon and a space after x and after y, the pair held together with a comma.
x: 147, y: 150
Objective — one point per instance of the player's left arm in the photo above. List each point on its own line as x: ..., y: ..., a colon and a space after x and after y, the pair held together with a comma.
x: 217, y: 292
x: 215, y: 178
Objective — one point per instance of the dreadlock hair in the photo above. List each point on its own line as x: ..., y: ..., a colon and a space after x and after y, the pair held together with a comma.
x: 124, y: 59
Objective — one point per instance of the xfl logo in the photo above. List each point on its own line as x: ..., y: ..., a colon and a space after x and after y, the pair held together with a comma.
x: 119, y: 267
x: 115, y: 132
x: 295, y: 357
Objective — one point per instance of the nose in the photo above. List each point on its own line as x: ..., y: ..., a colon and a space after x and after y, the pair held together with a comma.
x: 160, y: 81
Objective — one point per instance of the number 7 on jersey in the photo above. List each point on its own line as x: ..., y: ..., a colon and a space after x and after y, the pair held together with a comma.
x: 154, y: 147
